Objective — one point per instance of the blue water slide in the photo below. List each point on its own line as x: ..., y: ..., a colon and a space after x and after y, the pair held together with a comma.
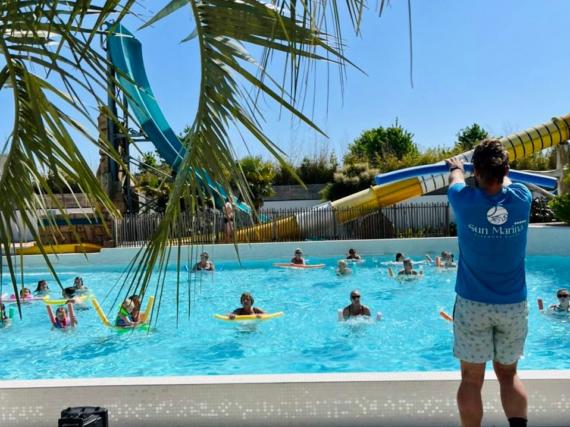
x: 126, y: 54
x: 441, y: 168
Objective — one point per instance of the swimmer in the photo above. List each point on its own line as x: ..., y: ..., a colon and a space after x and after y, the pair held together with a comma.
x: 78, y: 285
x: 445, y: 260
x: 408, y: 272
x: 353, y: 256
x: 137, y: 310
x: 62, y: 320
x: 342, y: 270
x: 70, y: 294
x: 26, y: 293
x: 42, y: 289
x: 125, y: 316
x: 563, y: 305
x: 247, y: 307
x: 355, y: 308
x: 298, y: 257
x: 400, y: 257
x: 5, y: 320
x: 204, y: 264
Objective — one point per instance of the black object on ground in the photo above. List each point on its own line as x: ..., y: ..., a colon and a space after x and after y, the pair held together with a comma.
x: 84, y: 416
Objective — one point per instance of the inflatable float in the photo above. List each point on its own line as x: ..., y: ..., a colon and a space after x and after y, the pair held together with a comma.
x: 69, y: 248
x: 298, y: 266
x: 144, y: 317
x: 248, y: 317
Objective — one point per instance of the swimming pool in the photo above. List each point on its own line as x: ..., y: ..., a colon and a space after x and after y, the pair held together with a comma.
x: 308, y: 339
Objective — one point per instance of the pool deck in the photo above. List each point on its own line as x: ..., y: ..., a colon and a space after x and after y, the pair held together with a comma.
x: 359, y: 399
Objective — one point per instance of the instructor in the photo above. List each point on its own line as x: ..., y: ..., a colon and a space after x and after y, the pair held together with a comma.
x: 490, y: 314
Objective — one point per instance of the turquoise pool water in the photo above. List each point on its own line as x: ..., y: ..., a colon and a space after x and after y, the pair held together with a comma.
x: 410, y: 337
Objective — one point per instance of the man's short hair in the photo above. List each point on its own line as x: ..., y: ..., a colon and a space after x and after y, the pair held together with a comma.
x: 491, y: 161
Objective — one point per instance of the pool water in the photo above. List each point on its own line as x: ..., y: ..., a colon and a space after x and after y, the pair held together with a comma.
x: 307, y: 339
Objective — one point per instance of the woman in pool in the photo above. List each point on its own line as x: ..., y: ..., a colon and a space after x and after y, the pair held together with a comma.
x: 62, y: 320
x: 247, y: 307
x: 42, y: 289
x: 342, y: 270
x: 125, y: 316
x: 204, y: 264
x: 408, y: 272
x: 79, y: 287
x: 298, y: 257
x: 355, y: 308
x: 353, y: 256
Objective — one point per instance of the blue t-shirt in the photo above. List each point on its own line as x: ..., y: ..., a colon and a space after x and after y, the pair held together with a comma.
x: 492, y: 233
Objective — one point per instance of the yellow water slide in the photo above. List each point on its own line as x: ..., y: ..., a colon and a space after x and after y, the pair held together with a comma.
x: 519, y: 145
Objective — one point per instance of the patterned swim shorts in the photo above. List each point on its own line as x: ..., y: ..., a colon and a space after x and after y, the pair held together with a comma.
x: 484, y: 332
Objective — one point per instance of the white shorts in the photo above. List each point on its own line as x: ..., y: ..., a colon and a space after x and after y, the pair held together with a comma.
x: 484, y: 332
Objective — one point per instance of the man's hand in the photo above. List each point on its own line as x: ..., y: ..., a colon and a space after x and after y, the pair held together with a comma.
x: 455, y: 163
x: 456, y: 170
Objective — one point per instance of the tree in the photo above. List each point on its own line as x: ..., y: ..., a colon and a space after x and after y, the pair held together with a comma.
x: 469, y: 137
x: 55, y: 74
x: 259, y: 175
x: 353, y: 177
x: 376, y: 145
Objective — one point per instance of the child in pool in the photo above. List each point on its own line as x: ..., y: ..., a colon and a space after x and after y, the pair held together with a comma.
x: 42, y: 289
x: 63, y: 318
x: 125, y: 317
x: 26, y: 293
x: 79, y: 287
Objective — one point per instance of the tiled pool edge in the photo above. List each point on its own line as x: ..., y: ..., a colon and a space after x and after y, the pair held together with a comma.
x: 360, y: 399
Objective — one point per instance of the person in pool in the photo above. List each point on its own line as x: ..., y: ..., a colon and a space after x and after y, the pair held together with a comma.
x: 125, y: 316
x: 26, y: 293
x: 400, y: 257
x: 563, y: 305
x: 62, y: 319
x: 445, y: 260
x: 137, y: 310
x: 247, y: 307
x: 78, y: 285
x: 204, y: 264
x: 298, y: 257
x: 4, y: 318
x: 342, y: 270
x: 42, y: 288
x: 352, y: 255
x: 355, y: 308
x: 407, y: 272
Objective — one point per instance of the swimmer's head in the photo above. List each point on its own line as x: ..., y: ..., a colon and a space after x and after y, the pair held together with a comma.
x: 129, y: 305
x: 69, y: 292
x: 246, y: 297
x: 355, y: 295
x: 562, y: 293
x: 298, y: 252
x: 61, y: 313
x: 25, y: 292
x: 399, y: 257
x: 78, y: 282
x: 446, y: 256
x: 351, y: 251
x: 42, y: 286
x: 204, y: 255
x: 408, y: 264
x: 490, y: 162
x: 342, y: 264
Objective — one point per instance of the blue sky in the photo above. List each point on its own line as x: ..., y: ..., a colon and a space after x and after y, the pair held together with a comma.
x: 502, y: 64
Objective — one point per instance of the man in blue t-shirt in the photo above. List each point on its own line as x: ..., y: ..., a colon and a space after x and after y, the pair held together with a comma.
x: 490, y: 314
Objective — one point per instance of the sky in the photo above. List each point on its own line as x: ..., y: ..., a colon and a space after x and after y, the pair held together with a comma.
x: 502, y: 64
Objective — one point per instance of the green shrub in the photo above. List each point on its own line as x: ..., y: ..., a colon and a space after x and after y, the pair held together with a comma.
x: 561, y: 207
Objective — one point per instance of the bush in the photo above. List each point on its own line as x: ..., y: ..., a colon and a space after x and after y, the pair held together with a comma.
x: 560, y: 205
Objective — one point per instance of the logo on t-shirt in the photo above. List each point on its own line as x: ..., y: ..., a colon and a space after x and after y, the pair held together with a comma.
x: 497, y: 215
